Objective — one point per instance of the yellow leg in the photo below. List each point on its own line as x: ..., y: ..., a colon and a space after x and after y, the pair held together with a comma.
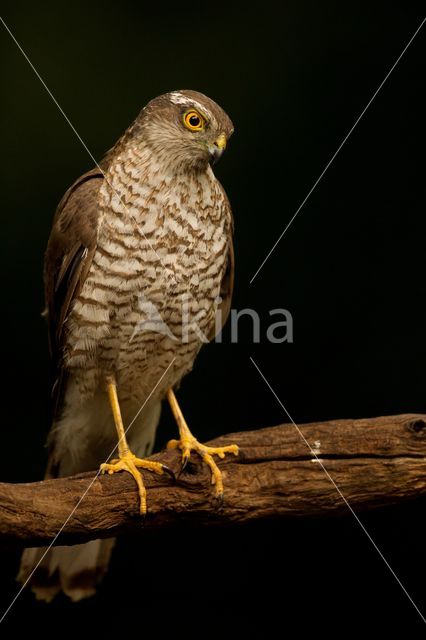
x: 127, y: 461
x: 188, y: 443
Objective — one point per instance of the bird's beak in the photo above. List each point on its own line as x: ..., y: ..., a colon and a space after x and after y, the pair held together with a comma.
x: 217, y: 148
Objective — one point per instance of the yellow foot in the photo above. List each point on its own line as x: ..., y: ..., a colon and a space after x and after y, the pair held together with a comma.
x: 130, y: 463
x: 189, y: 443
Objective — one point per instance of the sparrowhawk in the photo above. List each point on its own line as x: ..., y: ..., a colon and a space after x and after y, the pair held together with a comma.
x: 141, y: 243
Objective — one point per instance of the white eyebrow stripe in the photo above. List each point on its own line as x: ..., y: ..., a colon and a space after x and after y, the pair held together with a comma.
x: 179, y: 98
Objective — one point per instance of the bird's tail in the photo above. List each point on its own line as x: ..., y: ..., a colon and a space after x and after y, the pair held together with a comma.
x: 74, y: 570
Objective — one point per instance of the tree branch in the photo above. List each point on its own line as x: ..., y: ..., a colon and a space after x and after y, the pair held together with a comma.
x: 374, y: 462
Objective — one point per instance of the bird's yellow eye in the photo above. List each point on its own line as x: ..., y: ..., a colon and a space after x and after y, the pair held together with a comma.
x: 193, y: 121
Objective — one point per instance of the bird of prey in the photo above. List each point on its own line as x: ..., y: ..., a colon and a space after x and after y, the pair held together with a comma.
x: 149, y: 229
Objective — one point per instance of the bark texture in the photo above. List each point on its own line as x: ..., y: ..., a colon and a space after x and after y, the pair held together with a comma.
x: 373, y: 462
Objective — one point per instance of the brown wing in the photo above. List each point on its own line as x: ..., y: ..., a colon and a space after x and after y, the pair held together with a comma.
x: 226, y: 289
x: 69, y: 254
x: 227, y: 284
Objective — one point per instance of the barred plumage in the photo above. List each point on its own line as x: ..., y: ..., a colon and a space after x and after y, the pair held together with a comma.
x: 134, y: 248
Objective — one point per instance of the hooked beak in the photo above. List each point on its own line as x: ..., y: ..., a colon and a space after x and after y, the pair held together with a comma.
x: 217, y: 148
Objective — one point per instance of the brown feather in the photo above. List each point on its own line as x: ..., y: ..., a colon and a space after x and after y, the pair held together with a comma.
x: 69, y: 254
x: 226, y: 290
x: 227, y: 284
x: 160, y: 228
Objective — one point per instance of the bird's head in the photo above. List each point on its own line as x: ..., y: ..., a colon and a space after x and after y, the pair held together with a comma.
x: 186, y: 129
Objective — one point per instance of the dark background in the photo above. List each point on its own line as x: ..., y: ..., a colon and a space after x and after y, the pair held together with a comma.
x: 294, y: 77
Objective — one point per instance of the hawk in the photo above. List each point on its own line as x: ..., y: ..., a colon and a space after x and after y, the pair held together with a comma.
x: 149, y: 229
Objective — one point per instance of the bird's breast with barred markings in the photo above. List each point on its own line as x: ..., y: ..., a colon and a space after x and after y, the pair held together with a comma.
x: 152, y: 288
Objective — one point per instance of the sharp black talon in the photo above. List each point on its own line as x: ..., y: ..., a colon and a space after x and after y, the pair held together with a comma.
x: 183, y: 465
x: 169, y: 471
x: 219, y: 499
